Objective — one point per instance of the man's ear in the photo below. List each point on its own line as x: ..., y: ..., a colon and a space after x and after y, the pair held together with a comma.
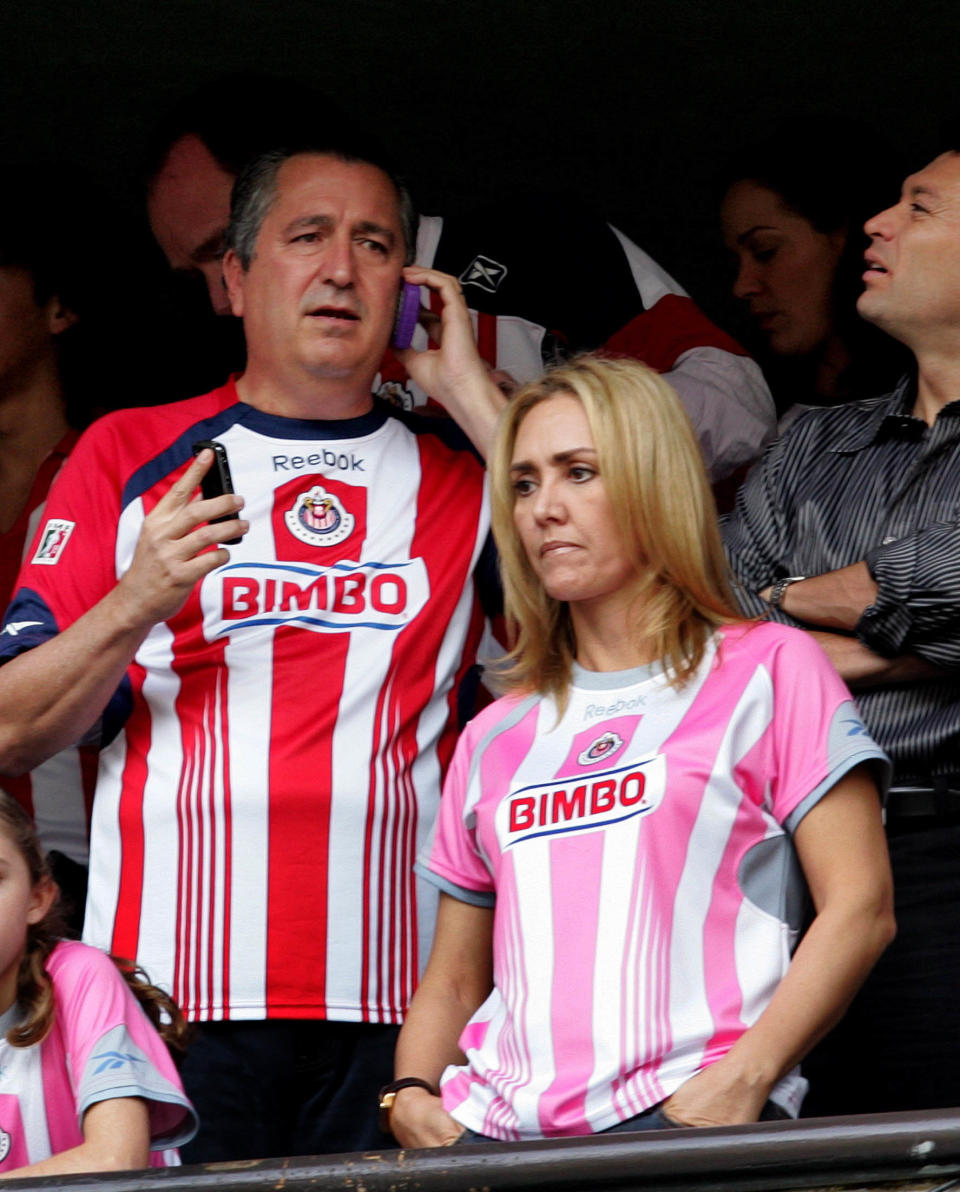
x: 59, y: 316
x: 233, y: 277
x: 42, y: 898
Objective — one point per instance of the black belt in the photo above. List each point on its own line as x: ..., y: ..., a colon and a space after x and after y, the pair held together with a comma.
x: 938, y: 804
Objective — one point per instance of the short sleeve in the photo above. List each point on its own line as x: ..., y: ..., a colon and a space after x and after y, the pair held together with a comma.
x: 818, y: 734
x: 112, y: 1048
x: 70, y: 563
x: 452, y: 858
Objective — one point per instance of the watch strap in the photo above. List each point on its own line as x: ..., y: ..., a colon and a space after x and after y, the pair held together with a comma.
x: 779, y: 588
x: 388, y: 1095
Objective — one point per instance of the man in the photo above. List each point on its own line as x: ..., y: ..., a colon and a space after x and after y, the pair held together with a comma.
x: 277, y: 724
x: 542, y: 277
x: 848, y: 527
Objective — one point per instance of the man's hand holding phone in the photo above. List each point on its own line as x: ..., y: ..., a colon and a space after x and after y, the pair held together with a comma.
x: 173, y: 552
x: 455, y: 375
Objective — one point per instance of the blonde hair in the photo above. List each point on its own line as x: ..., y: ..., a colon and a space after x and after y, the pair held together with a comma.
x: 654, y: 475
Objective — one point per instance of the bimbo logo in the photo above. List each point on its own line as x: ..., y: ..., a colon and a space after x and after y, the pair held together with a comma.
x: 331, y: 599
x: 583, y: 802
x: 318, y: 518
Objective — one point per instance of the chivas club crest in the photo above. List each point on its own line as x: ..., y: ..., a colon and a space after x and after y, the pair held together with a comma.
x: 4, y: 1144
x: 397, y: 394
x: 319, y: 519
x: 599, y: 749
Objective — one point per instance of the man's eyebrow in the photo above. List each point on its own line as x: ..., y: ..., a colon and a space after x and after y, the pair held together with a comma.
x: 211, y: 249
x: 308, y: 221
x: 369, y: 228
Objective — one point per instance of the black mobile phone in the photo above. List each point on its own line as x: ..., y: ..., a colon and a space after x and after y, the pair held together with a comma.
x: 217, y: 481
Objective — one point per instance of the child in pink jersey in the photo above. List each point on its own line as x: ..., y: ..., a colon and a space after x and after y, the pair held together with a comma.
x: 86, y: 1082
x: 625, y: 839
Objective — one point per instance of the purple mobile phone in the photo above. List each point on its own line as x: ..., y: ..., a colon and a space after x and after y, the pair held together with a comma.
x: 217, y: 481
x: 408, y: 311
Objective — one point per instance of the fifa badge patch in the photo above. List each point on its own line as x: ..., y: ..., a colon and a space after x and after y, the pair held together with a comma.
x: 600, y: 749
x: 318, y: 518
x: 52, y: 541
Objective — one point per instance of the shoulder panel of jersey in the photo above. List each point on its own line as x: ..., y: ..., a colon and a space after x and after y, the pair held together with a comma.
x: 115, y: 461
x: 807, y: 754
x: 438, y: 425
x: 549, y: 261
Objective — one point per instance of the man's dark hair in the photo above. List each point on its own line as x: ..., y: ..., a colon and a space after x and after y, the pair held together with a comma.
x: 243, y: 117
x: 238, y: 116
x: 948, y: 140
x: 37, y: 235
x: 255, y: 190
x: 52, y: 226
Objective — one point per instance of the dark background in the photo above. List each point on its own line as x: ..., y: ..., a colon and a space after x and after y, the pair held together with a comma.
x: 633, y: 106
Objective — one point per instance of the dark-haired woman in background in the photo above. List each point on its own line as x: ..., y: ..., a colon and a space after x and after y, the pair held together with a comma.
x: 793, y: 216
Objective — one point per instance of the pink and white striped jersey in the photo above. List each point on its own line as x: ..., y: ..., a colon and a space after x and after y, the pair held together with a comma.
x: 101, y: 1046
x: 280, y: 741
x: 647, y: 896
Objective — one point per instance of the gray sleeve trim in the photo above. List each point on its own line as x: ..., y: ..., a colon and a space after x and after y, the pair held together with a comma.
x: 484, y: 898
x: 882, y: 772
x: 514, y: 716
x: 117, y: 1067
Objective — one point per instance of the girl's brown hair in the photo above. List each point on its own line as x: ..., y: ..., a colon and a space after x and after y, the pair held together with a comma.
x: 35, y: 995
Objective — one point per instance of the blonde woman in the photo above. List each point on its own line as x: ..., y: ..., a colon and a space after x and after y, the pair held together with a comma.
x: 625, y: 839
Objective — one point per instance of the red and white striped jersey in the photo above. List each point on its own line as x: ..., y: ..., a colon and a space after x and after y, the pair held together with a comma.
x: 638, y: 854
x: 59, y: 792
x: 282, y: 738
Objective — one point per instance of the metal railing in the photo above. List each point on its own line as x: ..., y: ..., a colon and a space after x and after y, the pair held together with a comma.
x: 879, y: 1149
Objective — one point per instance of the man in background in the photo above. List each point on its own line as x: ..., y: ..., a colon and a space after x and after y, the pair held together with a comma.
x: 848, y: 528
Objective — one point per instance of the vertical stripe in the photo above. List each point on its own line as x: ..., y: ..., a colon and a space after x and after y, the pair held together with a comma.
x: 487, y: 337
x: 126, y: 926
x: 897, y: 482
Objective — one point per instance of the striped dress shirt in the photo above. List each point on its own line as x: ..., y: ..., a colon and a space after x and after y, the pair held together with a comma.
x: 869, y: 481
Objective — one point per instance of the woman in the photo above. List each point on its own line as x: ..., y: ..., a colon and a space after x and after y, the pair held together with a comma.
x: 615, y: 846
x: 792, y: 217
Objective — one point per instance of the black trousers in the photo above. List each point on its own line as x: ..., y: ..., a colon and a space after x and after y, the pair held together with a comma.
x: 265, y: 1090
x: 898, y: 1047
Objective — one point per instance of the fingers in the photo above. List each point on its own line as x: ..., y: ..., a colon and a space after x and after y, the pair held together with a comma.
x: 433, y: 279
x: 180, y: 509
x: 181, y: 491
x: 444, y: 284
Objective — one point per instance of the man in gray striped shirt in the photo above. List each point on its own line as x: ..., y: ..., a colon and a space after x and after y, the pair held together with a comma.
x: 850, y: 528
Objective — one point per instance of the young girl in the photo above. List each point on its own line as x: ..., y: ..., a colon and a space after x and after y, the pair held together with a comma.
x: 86, y: 1084
x: 618, y: 839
